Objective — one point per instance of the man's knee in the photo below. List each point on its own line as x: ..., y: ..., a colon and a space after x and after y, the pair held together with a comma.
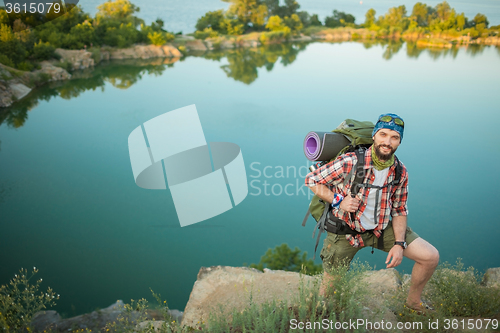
x: 423, y: 252
x: 434, y: 257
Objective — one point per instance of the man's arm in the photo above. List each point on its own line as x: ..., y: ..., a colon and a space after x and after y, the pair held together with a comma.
x: 396, y: 253
x: 333, y: 174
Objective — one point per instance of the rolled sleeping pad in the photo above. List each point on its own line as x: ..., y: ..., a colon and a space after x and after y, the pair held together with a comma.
x: 323, y: 146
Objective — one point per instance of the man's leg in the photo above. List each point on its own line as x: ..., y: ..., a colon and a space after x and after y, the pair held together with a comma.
x: 426, y: 259
x: 336, y: 251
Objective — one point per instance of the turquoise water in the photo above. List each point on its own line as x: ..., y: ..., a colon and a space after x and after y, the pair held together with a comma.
x: 70, y: 207
x: 182, y: 15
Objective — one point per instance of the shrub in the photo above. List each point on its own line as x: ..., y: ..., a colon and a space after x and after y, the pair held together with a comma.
x: 206, y: 33
x: 43, y: 51
x: 458, y: 292
x: 274, y: 36
x: 284, y: 258
x: 6, y: 60
x: 25, y: 66
x: 20, y: 300
x: 156, y: 38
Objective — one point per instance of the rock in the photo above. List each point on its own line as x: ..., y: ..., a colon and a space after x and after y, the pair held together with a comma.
x: 384, y: 282
x: 238, y: 287
x: 145, y: 52
x: 79, y: 59
x: 45, y: 320
x: 227, y: 44
x: 176, y: 315
x: 301, y: 38
x: 171, y: 51
x: 12, y: 85
x: 6, y: 95
x: 151, y: 326
x: 19, y: 90
x: 492, y: 277
x: 381, y: 286
x: 55, y: 73
x: 195, y: 45
x: 94, y: 321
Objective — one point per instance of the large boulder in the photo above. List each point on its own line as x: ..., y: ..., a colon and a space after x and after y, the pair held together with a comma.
x: 145, y: 52
x: 55, y: 73
x: 195, y: 45
x: 492, y: 277
x: 94, y: 321
x: 236, y: 288
x: 79, y: 59
x: 12, y: 85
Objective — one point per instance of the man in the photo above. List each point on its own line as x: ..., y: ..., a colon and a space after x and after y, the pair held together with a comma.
x: 379, y: 224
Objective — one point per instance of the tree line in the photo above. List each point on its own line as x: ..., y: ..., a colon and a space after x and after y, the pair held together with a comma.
x: 246, y: 16
x: 26, y: 39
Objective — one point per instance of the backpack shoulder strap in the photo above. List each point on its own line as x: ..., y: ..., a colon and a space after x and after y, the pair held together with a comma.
x: 399, y: 171
x: 359, y: 175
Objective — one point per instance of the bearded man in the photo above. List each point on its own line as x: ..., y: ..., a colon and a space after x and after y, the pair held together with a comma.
x: 376, y: 214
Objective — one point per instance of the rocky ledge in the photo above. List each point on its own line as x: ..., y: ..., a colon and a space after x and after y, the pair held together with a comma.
x: 16, y: 84
x: 223, y: 288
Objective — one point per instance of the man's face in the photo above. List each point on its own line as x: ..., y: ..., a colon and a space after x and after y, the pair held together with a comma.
x: 386, y: 142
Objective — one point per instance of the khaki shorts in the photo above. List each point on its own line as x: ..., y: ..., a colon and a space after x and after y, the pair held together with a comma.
x: 336, y: 248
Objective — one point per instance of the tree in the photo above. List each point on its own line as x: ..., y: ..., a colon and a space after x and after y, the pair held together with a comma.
x: 395, y: 18
x: 290, y: 8
x: 272, y: 7
x: 315, y: 20
x: 284, y: 258
x: 4, y: 17
x: 370, y: 18
x: 275, y: 23
x: 210, y: 20
x: 118, y: 9
x: 293, y: 23
x: 248, y: 11
x: 339, y: 19
x: 481, y: 22
x: 420, y: 14
x: 443, y: 10
x: 84, y: 33
x: 461, y: 21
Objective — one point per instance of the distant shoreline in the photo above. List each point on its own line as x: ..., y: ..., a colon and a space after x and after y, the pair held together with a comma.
x: 16, y: 84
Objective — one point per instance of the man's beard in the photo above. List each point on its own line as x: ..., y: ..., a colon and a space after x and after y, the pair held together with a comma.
x: 382, y: 156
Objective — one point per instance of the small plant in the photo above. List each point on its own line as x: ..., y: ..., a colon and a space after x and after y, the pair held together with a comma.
x: 20, y: 300
x: 347, y: 291
x: 457, y: 292
x: 135, y: 317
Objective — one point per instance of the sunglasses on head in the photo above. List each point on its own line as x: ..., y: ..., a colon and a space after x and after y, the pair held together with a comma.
x: 388, y: 119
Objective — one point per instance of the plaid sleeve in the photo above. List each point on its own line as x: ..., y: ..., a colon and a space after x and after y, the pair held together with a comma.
x: 332, y: 173
x: 400, y: 196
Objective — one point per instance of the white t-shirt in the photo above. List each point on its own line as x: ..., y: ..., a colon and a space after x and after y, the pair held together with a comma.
x: 367, y: 217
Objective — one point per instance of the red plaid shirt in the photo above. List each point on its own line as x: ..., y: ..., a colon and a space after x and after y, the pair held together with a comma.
x: 393, y: 198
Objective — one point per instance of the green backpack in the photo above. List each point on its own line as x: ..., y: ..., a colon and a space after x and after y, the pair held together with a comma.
x: 359, y: 134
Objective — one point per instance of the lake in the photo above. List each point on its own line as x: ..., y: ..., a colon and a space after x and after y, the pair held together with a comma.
x: 69, y: 204
x: 182, y: 15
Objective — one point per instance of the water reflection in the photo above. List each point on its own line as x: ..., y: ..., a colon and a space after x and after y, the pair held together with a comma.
x: 242, y: 65
x: 121, y: 74
x: 244, y: 62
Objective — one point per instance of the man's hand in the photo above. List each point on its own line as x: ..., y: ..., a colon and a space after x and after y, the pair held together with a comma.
x: 350, y: 204
x: 396, y: 254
